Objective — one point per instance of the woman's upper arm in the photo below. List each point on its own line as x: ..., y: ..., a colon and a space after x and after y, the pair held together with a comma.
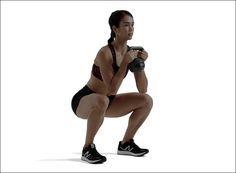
x: 104, y: 61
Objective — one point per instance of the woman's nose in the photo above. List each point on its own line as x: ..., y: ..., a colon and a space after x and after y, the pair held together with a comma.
x: 131, y: 28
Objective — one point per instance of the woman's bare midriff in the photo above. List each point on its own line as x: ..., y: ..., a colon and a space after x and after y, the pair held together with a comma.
x: 97, y: 85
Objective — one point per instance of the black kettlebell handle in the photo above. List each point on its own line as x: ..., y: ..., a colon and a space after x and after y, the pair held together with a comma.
x: 136, y: 48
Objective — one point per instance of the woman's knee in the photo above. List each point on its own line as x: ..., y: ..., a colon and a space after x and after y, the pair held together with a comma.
x: 100, y: 102
x: 94, y: 104
x: 147, y: 100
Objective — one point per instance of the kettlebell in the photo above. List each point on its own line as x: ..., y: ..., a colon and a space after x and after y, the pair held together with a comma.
x: 137, y: 64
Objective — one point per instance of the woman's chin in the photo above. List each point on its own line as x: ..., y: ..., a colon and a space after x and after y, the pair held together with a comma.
x: 130, y: 38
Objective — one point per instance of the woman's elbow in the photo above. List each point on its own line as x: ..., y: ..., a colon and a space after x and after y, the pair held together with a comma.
x: 112, y: 90
x: 142, y: 90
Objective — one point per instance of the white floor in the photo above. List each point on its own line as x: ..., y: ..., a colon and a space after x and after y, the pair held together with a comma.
x: 54, y: 143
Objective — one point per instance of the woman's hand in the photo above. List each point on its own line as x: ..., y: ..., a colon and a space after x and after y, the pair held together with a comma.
x: 143, y: 54
x: 130, y: 56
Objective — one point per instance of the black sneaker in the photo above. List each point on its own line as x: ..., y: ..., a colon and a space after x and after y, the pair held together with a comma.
x: 130, y: 148
x: 90, y: 155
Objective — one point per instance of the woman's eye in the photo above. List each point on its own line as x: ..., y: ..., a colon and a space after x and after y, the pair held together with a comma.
x: 128, y: 25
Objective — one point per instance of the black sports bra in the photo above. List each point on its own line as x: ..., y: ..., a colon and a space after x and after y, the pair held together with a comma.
x: 96, y: 70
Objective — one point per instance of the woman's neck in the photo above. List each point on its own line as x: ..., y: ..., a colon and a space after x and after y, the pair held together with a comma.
x: 120, y: 45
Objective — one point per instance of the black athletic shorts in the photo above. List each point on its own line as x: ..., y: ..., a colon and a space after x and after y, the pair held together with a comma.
x: 83, y: 92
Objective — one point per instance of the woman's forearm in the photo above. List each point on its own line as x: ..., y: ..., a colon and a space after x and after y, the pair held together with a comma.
x: 141, y: 81
x: 118, y: 78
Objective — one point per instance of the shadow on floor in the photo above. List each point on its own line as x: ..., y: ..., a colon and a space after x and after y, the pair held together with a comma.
x: 66, y: 159
x: 79, y: 153
x: 78, y: 159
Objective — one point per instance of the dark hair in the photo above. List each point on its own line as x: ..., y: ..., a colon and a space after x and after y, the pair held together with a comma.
x: 115, y: 19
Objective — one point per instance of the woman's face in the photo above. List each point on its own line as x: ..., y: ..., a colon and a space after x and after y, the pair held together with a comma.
x: 126, y: 28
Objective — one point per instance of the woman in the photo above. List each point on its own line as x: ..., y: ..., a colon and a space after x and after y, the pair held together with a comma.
x: 99, y: 98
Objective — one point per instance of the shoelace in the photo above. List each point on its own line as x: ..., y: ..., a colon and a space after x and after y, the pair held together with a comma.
x: 134, y: 145
x: 95, y: 153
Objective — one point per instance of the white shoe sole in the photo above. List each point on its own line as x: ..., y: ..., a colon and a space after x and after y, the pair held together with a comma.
x: 91, y: 161
x: 130, y: 153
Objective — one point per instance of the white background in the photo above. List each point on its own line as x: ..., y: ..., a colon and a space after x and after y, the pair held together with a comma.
x: 47, y: 54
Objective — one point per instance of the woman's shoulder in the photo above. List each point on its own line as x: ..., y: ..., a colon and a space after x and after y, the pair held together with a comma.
x: 104, y: 53
x: 105, y: 49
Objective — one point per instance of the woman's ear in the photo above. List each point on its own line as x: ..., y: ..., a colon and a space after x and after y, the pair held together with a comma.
x: 114, y: 28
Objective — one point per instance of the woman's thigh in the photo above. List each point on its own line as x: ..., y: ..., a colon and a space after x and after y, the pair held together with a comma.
x: 91, y: 102
x: 125, y: 103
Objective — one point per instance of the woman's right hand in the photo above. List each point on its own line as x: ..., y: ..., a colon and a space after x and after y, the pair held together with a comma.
x: 130, y: 56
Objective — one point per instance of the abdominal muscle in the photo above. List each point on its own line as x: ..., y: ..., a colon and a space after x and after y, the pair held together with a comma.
x: 97, y: 85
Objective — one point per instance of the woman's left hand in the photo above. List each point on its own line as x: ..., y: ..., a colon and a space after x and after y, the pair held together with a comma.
x: 143, y: 54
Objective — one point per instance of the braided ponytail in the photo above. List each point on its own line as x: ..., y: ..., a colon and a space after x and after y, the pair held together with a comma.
x: 111, y: 39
